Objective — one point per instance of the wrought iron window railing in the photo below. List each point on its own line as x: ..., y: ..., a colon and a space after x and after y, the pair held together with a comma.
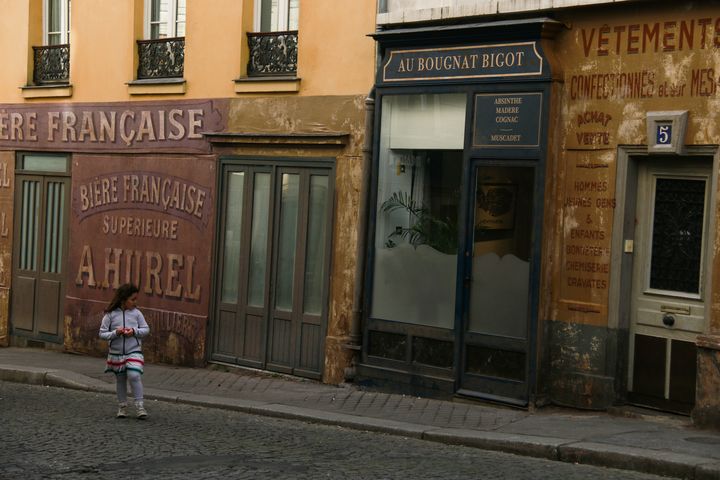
x: 161, y: 58
x: 51, y: 64
x: 272, y: 53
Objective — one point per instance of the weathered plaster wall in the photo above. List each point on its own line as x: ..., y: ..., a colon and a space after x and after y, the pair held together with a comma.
x: 344, y: 114
x: 409, y: 11
x: 619, y: 63
x: 149, y: 220
x: 7, y: 190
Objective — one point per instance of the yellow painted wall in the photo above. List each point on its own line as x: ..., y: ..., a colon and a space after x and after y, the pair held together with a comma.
x: 102, y: 42
x: 14, y: 48
x: 213, y: 41
x: 335, y: 55
x: 337, y: 58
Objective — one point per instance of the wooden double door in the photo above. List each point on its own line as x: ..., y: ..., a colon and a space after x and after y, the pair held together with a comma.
x: 273, y: 269
x: 41, y: 230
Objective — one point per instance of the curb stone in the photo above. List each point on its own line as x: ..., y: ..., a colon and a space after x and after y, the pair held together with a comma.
x: 550, y: 448
x: 632, y: 458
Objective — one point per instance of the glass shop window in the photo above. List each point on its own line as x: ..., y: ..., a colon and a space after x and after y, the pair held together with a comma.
x: 416, y: 235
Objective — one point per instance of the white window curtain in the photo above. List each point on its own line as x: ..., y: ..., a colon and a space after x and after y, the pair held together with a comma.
x: 56, y: 22
x: 276, y: 15
x: 164, y: 18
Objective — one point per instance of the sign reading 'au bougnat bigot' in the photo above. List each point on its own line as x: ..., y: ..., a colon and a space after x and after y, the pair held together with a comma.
x: 455, y: 63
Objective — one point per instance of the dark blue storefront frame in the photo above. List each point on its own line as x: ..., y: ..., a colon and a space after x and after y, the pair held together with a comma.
x: 403, y: 375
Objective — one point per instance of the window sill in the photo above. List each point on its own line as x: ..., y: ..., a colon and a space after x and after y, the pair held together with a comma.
x: 267, y: 85
x: 157, y: 86
x: 47, y: 91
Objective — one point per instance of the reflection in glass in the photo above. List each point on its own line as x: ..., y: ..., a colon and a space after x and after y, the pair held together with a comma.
x: 29, y: 224
x: 493, y: 362
x: 418, y: 196
x: 293, y: 12
x: 288, y: 235
x: 259, y: 240
x: 314, y: 271
x: 501, y: 251
x: 233, y: 224
x: 54, y: 212
x: 180, y: 19
x: 54, y: 19
x: 159, y: 11
x: 44, y: 163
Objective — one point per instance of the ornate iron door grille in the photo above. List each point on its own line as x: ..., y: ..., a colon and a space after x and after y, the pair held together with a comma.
x: 272, y: 53
x: 677, y: 235
x: 161, y: 58
x: 51, y: 64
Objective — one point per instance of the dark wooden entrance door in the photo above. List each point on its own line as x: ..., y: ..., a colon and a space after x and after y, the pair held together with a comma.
x: 496, y: 353
x: 41, y: 215
x: 274, y: 268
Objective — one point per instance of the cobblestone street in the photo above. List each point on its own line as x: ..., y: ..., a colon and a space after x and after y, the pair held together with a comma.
x: 65, y: 434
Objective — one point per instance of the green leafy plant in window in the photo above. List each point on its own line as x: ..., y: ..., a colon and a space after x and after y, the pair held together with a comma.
x: 425, y: 228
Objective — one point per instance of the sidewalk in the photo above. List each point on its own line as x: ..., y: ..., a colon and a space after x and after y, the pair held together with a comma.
x: 663, y: 445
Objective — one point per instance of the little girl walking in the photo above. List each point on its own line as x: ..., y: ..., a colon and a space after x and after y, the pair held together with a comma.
x: 123, y: 326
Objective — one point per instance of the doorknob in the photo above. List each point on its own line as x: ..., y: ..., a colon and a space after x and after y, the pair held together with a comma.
x: 668, y: 320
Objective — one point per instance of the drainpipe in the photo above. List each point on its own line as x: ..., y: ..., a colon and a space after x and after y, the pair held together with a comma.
x: 355, y: 338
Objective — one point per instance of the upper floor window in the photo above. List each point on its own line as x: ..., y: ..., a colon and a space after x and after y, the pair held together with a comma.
x: 164, y: 18
x: 276, y: 15
x: 56, y: 22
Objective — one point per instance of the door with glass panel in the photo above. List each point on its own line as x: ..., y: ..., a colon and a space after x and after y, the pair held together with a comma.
x: 274, y: 268
x: 496, y: 323
x: 668, y: 289
x: 41, y: 230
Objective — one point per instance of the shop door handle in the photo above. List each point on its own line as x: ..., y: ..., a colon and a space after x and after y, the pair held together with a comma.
x: 668, y: 320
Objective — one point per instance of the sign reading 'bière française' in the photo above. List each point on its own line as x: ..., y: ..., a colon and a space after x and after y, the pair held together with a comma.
x: 454, y: 63
x: 139, y: 126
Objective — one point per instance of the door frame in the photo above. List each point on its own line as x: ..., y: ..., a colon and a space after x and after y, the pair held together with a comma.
x: 42, y: 176
x: 509, y: 392
x: 629, y: 158
x: 273, y: 164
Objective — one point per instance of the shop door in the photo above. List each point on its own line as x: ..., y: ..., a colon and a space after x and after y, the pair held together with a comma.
x: 39, y: 256
x: 667, y: 299
x: 274, y: 268
x: 496, y: 357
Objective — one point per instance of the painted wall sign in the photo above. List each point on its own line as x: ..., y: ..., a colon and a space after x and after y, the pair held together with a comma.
x: 137, y: 126
x: 143, y: 219
x: 7, y: 169
x: 507, y: 120
x: 651, y: 37
x: 454, y: 63
x: 7, y: 190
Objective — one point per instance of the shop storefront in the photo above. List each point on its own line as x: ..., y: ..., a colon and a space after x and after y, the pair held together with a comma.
x: 632, y: 319
x: 106, y: 194
x: 287, y: 234
x: 456, y: 234
x: 549, y: 237
x: 238, y: 230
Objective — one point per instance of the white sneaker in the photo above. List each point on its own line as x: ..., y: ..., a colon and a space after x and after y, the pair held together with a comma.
x: 141, y: 413
x: 122, y: 411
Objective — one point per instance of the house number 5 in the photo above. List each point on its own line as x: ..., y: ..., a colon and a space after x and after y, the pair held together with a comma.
x: 664, y: 134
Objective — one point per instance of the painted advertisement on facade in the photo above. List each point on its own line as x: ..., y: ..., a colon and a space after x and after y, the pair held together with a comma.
x: 616, y: 71
x: 103, y: 127
x: 147, y: 220
x: 7, y: 169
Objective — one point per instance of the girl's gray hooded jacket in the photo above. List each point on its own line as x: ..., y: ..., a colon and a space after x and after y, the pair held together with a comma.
x: 120, y: 344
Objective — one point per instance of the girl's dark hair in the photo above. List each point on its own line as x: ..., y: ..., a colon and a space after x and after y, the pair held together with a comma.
x: 123, y: 292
